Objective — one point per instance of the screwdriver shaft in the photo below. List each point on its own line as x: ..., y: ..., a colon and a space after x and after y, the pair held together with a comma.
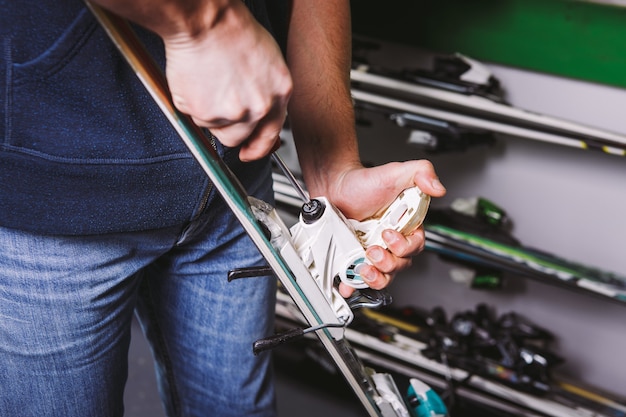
x: 294, y: 182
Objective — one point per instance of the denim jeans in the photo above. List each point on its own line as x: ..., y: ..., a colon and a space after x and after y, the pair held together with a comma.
x: 66, y: 304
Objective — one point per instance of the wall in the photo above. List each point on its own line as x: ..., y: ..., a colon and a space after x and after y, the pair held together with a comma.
x: 566, y: 201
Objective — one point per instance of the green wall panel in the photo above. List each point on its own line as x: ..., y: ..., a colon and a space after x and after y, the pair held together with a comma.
x: 569, y: 38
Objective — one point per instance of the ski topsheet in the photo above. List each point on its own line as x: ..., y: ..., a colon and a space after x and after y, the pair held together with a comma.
x: 256, y: 217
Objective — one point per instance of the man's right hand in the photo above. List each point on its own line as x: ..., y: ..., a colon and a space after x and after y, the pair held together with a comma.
x: 223, y: 68
x: 232, y: 79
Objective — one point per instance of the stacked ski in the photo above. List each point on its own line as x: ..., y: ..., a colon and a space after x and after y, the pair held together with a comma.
x: 469, y: 248
x: 383, y: 341
x: 437, y: 106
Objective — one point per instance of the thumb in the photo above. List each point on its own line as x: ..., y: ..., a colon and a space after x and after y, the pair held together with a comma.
x: 427, y: 180
x: 420, y: 173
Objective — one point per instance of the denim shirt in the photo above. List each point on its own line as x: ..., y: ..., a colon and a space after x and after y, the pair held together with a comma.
x: 84, y: 149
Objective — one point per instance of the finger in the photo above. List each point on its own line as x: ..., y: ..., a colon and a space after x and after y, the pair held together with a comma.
x: 345, y: 290
x: 258, y: 148
x: 375, y: 278
x: 425, y: 177
x: 216, y: 114
x: 404, y: 246
x: 385, y: 261
x: 257, y: 133
x: 232, y: 134
x: 257, y: 139
x: 263, y: 140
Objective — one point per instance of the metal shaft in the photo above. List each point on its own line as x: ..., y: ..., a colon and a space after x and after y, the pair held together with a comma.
x: 294, y: 182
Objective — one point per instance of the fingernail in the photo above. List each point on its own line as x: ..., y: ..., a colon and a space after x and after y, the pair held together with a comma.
x: 368, y: 275
x: 375, y: 254
x: 437, y: 185
x: 389, y: 237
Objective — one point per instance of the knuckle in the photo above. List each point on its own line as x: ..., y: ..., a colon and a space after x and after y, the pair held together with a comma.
x: 233, y: 114
x: 286, y: 88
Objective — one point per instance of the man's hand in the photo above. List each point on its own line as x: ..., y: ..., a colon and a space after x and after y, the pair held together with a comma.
x: 361, y: 192
x: 223, y: 68
x: 233, y: 80
x: 321, y: 116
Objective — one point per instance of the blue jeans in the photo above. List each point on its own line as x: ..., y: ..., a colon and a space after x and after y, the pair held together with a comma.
x: 66, y: 305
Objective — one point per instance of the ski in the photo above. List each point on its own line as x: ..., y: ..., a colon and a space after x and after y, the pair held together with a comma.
x: 407, y: 335
x: 320, y: 304
x: 391, y: 91
x: 472, y: 241
x: 398, y: 339
x: 432, y: 134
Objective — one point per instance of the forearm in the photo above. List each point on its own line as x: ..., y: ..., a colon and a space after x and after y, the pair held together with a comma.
x: 172, y: 19
x: 320, y: 110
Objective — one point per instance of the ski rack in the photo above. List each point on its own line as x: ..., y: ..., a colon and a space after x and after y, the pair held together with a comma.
x: 401, y: 353
x: 252, y: 215
x: 478, y: 112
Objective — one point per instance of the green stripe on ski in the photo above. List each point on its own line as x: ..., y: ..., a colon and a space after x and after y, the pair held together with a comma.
x: 509, y: 252
x: 582, y: 276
